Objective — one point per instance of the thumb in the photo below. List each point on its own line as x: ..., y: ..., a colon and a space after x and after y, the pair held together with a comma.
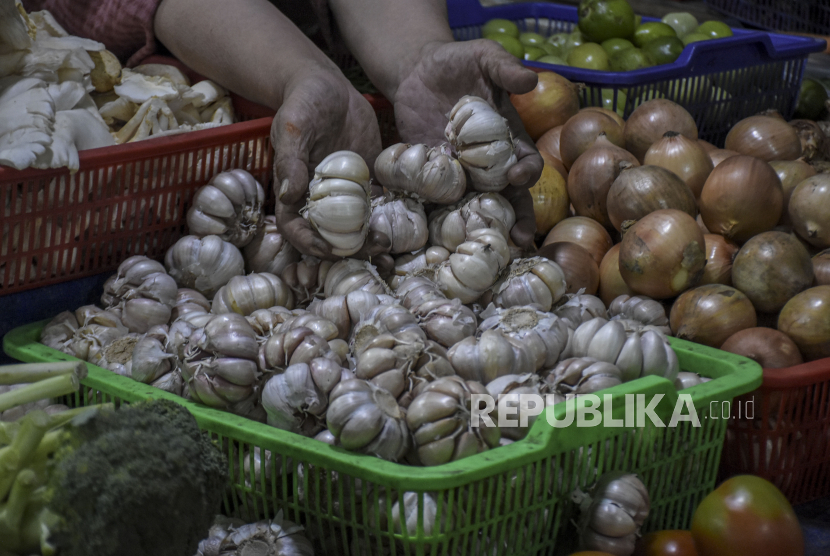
x: 505, y: 70
x: 291, y: 144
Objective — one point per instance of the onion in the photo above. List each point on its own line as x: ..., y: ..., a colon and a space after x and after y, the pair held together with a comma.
x: 591, y: 177
x: 710, y: 314
x: 639, y: 190
x: 550, y: 197
x: 683, y: 156
x: 662, y: 254
x: 617, y: 118
x: 550, y: 104
x: 651, y: 120
x: 611, y: 283
x: 806, y: 320
x: 821, y: 268
x: 720, y: 252
x: 764, y: 137
x: 707, y: 146
x: 701, y: 225
x: 549, y: 143
x: 579, y: 267
x: 741, y: 198
x: 791, y: 173
x: 719, y: 155
x: 581, y: 131
x: 585, y: 232
x: 809, y: 210
x: 766, y: 346
x: 814, y: 142
x: 770, y: 268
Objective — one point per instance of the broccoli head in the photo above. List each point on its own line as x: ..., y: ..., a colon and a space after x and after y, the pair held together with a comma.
x: 137, y: 481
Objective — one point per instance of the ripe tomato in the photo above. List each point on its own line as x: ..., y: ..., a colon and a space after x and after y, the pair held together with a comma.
x: 666, y: 543
x: 746, y: 516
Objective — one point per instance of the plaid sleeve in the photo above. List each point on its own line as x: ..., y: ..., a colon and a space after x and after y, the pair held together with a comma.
x: 124, y: 26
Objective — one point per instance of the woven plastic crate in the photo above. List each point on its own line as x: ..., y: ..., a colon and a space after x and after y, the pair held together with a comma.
x: 510, y: 500
x: 802, y: 16
x: 786, y: 438
x: 719, y: 81
x: 127, y: 199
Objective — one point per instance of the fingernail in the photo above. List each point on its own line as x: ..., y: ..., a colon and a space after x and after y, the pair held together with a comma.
x: 284, y: 188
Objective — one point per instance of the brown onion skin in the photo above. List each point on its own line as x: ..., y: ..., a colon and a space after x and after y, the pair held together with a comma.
x: 640, y: 190
x: 549, y: 104
x: 719, y: 155
x: 662, y: 254
x: 549, y: 143
x: 701, y: 225
x: 616, y: 117
x: 651, y: 120
x: 770, y: 268
x: 707, y: 146
x: 577, y: 264
x: 720, y: 253
x: 591, y: 177
x: 611, y: 283
x: 710, y: 314
x: 765, y: 137
x: 766, y: 346
x: 806, y: 320
x: 791, y: 173
x: 809, y: 210
x: 585, y: 232
x: 821, y: 268
x: 742, y: 197
x: 581, y: 131
x: 683, y: 156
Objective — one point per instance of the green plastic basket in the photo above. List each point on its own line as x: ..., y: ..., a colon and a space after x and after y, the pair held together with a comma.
x: 510, y: 500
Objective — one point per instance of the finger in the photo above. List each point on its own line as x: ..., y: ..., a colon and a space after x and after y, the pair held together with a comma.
x: 299, y: 233
x: 527, y: 171
x: 524, y: 230
x: 505, y: 70
x: 376, y: 244
x: 385, y: 264
x: 291, y: 141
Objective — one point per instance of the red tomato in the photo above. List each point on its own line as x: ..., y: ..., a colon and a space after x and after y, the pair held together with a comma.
x: 666, y: 543
x: 746, y: 516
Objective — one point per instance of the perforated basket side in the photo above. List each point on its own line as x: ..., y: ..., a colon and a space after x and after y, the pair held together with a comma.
x: 804, y: 16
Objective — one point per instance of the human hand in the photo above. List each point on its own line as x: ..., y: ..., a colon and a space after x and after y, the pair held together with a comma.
x: 321, y: 114
x: 442, y: 75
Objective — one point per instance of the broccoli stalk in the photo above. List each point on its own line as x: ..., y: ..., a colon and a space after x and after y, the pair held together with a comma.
x: 16, y: 456
x: 53, y: 387
x: 34, y: 372
x: 11, y: 514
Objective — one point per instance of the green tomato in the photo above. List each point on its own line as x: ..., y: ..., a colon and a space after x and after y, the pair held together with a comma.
x: 651, y: 30
x: 811, y: 99
x: 557, y: 45
x: 502, y: 26
x: 556, y: 60
x: 513, y: 46
x: 533, y: 53
x: 694, y: 37
x: 601, y: 20
x: 630, y: 59
x: 531, y: 39
x: 588, y: 56
x: 714, y: 29
x: 608, y: 101
x: 664, y: 50
x: 576, y: 38
x: 612, y: 46
x: 683, y: 23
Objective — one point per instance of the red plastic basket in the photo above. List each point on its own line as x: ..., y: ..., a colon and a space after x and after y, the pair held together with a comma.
x: 126, y: 199
x: 786, y: 439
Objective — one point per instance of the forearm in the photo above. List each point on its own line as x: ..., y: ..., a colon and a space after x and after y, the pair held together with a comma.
x: 247, y: 46
x: 387, y: 36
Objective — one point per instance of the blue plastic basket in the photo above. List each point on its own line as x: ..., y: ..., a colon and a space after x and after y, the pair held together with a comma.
x: 797, y: 16
x: 719, y: 81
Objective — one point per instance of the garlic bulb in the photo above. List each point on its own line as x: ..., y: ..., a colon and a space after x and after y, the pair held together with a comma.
x: 116, y: 356
x: 279, y: 319
x: 203, y: 264
x: 350, y: 275
x: 507, y: 389
x: 139, y: 278
x: 393, y: 319
x: 474, y: 267
x: 219, y: 362
x: 140, y: 315
x: 444, y: 320
x: 686, y: 379
x: 296, y: 399
x: 489, y: 356
x: 482, y: 139
x: 449, y: 227
x: 612, y: 514
x: 642, y: 309
x: 59, y: 330
x: 229, y: 206
x: 417, y: 261
x: 150, y: 359
x: 439, y: 418
x: 88, y: 341
x: 433, y: 174
x: 637, y: 352
x: 292, y: 346
x: 306, y: 277
x: 535, y: 281
x: 246, y: 294
x: 543, y: 335
x: 181, y: 329
x: 338, y: 202
x: 366, y: 418
x: 580, y: 308
x: 402, y: 219
x: 233, y: 537
x: 189, y: 301
x: 583, y: 375
x: 345, y: 311
x: 268, y: 251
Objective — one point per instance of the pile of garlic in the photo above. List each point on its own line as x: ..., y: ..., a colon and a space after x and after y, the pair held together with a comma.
x: 60, y: 94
